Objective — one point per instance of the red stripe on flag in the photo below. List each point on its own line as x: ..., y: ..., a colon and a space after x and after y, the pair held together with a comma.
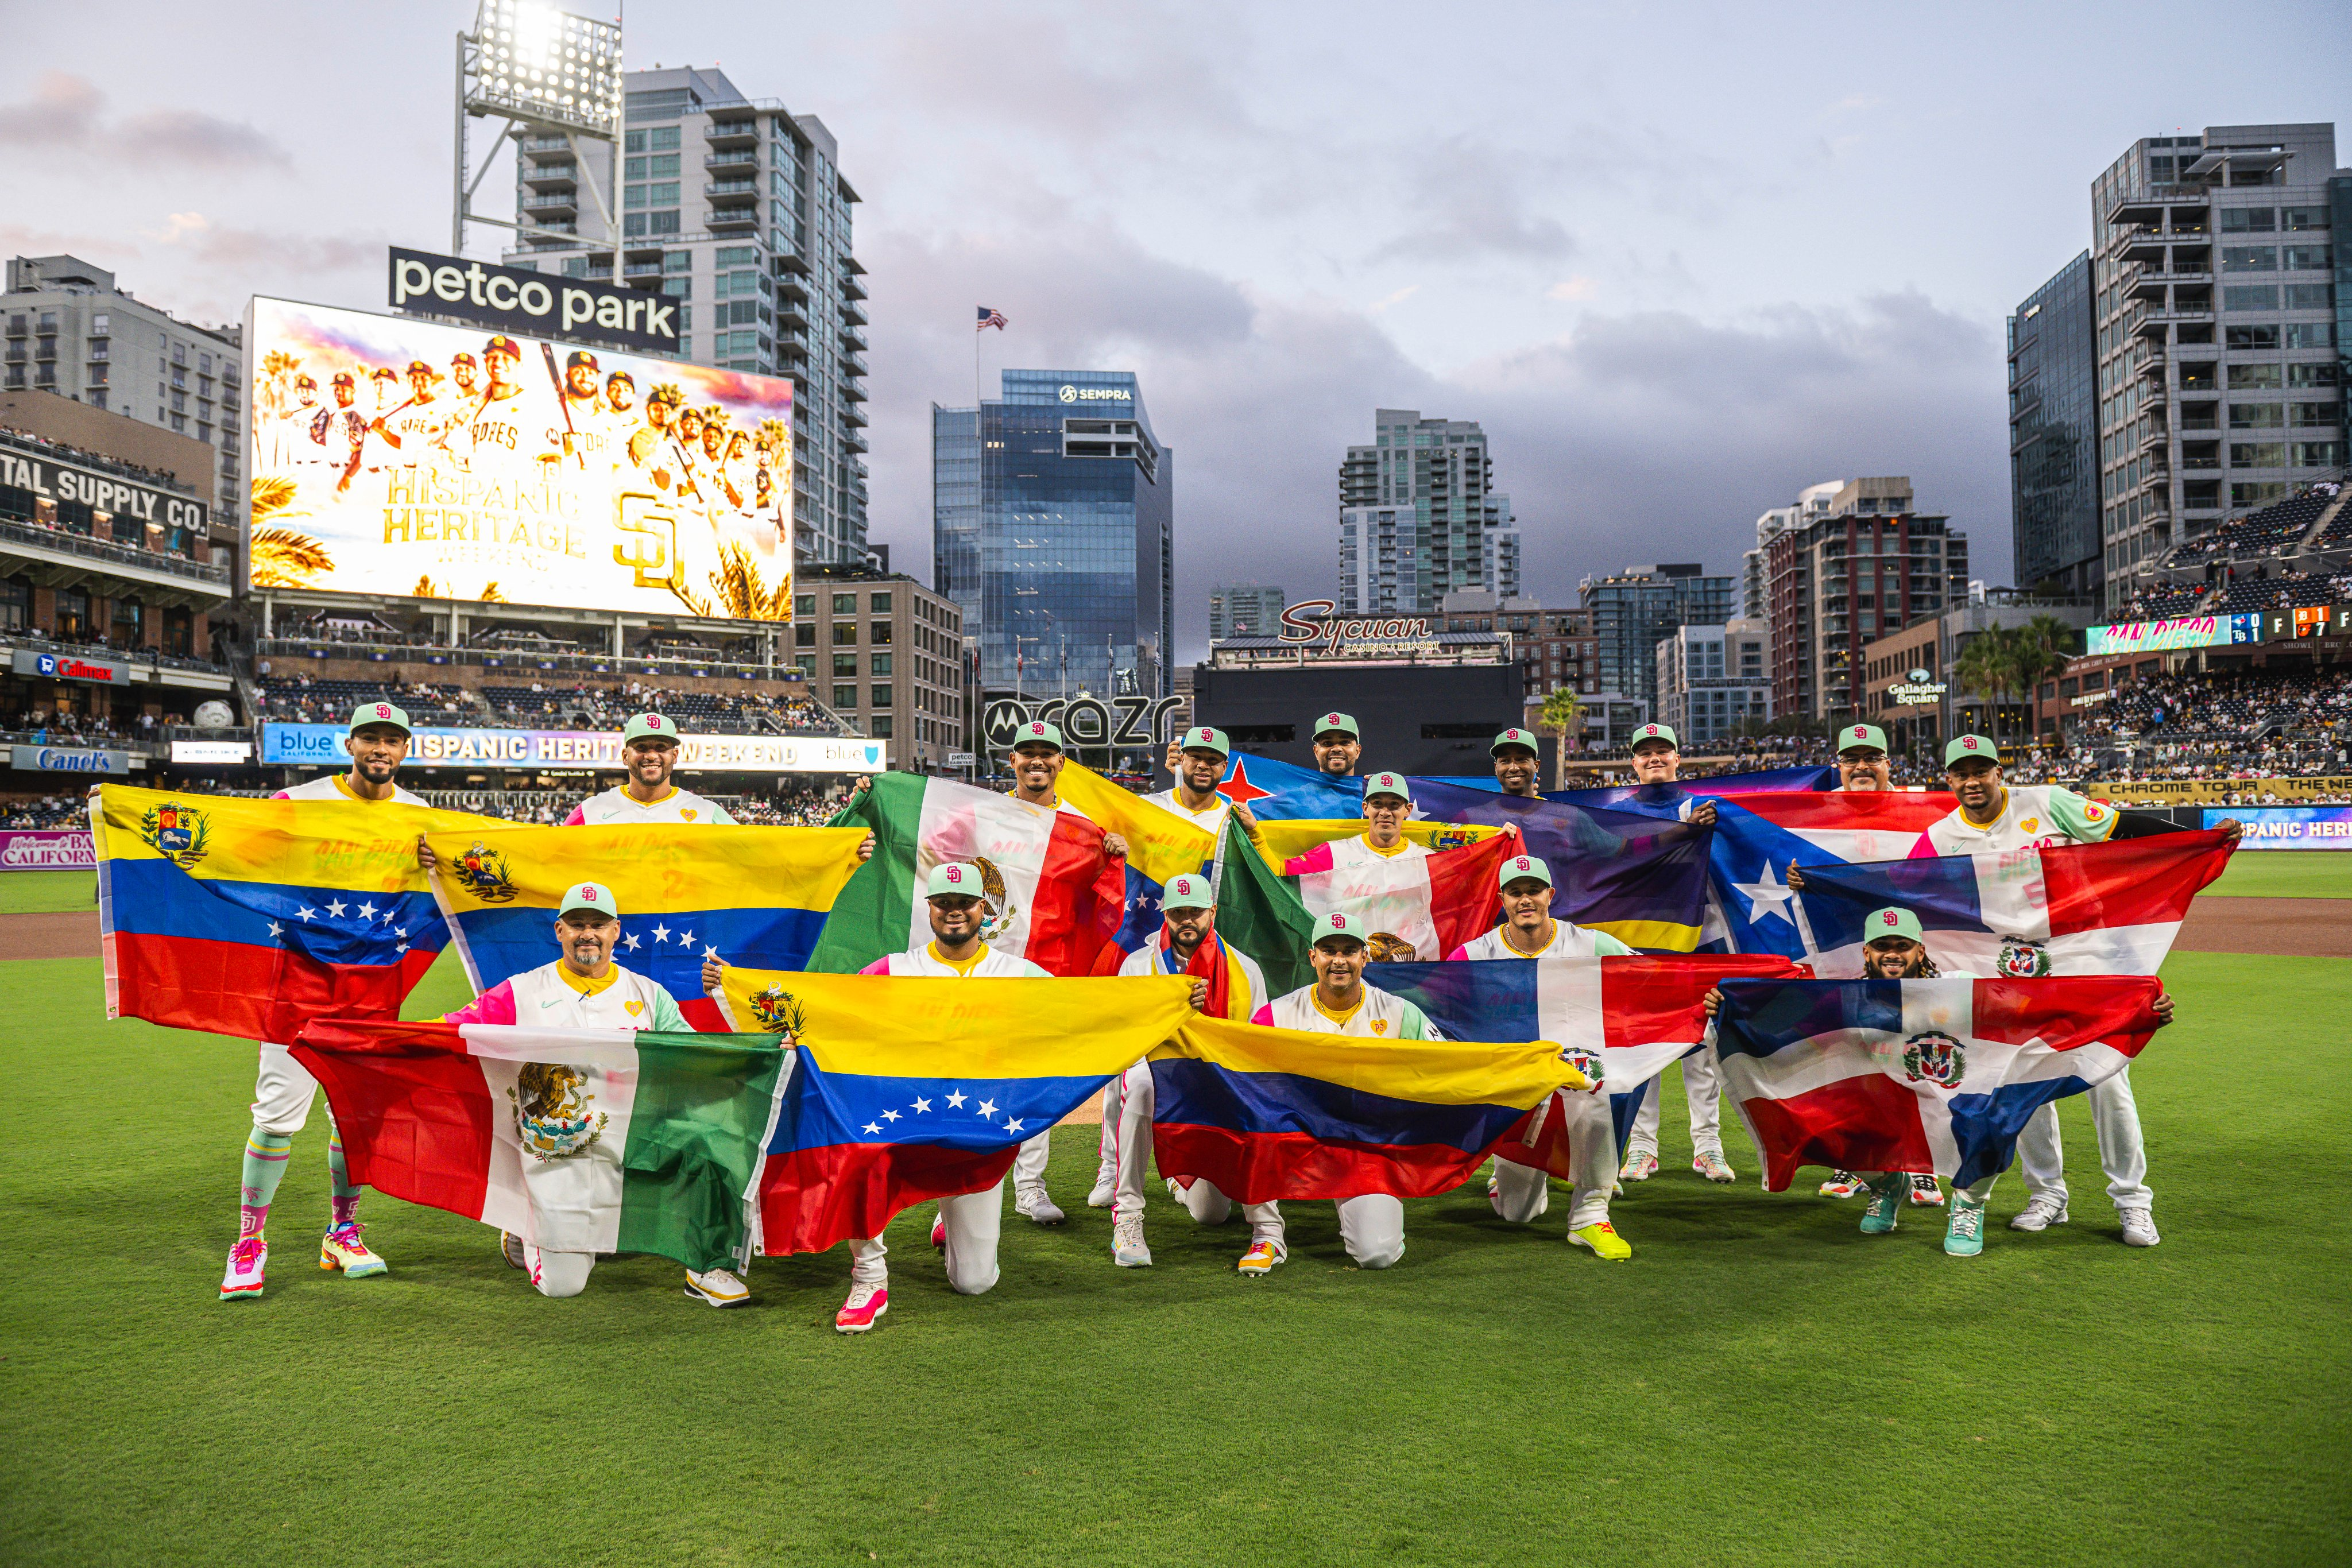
x: 2118, y: 1010
x: 1550, y: 1151
x: 2130, y: 881
x: 1866, y: 1124
x: 1262, y: 1167
x: 254, y: 993
x: 1886, y: 810
x: 412, y: 1107
x: 812, y: 1199
x: 1464, y: 900
x: 1650, y: 999
x: 1081, y: 897
x: 704, y: 1016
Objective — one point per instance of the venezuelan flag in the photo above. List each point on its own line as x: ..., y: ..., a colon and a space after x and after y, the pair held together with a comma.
x: 249, y: 917
x: 752, y: 896
x: 908, y: 1089
x: 1269, y: 1114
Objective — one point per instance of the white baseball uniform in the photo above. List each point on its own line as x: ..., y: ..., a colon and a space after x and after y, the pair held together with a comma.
x: 1129, y: 1101
x: 617, y: 805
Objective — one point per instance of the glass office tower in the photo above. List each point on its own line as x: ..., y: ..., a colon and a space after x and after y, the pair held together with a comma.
x: 2054, y: 431
x: 1053, y: 529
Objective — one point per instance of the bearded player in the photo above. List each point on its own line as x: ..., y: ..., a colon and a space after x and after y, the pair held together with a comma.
x: 1387, y: 806
x: 377, y: 742
x: 1338, y: 746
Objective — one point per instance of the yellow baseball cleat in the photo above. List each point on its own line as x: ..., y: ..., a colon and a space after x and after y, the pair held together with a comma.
x: 1259, y: 1260
x: 1603, y: 1241
x: 342, y: 1248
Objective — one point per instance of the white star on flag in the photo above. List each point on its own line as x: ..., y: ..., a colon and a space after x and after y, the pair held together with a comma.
x: 890, y: 1116
x: 987, y: 1109
x: 305, y: 913
x: 872, y: 1127
x: 922, y: 1106
x: 955, y: 1100
x: 685, y: 938
x: 367, y: 911
x: 400, y: 931
x: 337, y: 908
x: 1767, y: 894
x: 276, y: 929
x: 630, y: 943
x: 661, y: 933
x: 402, y: 948
x: 1013, y: 1124
x: 710, y: 952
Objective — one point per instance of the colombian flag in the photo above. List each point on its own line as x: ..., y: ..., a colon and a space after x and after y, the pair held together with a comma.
x: 912, y: 1089
x: 756, y: 897
x: 249, y: 917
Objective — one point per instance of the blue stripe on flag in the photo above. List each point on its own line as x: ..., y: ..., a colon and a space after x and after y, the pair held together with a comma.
x: 975, y: 1114
x: 666, y: 948
x: 1202, y: 1094
x: 1942, y: 892
x: 1985, y: 1126
x: 156, y: 898
x: 1760, y: 1018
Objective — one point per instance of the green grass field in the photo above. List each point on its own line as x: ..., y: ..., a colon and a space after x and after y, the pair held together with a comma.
x: 1761, y: 1384
x: 2287, y: 874
x: 42, y: 892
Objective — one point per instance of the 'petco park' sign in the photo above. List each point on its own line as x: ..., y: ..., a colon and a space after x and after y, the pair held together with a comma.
x: 521, y: 301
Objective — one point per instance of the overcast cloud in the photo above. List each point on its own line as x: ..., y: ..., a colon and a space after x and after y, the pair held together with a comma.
x: 1681, y: 260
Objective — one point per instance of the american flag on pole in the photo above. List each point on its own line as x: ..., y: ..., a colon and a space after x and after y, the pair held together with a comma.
x: 990, y: 318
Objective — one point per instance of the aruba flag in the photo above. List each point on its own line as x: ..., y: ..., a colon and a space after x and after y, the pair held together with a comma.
x: 752, y: 896
x: 906, y: 1089
x: 250, y: 917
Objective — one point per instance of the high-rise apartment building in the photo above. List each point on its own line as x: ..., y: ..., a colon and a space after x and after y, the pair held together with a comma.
x: 2219, y: 361
x: 1636, y: 608
x: 1869, y: 566
x: 1712, y: 680
x: 737, y: 208
x: 71, y: 330
x: 1420, y: 518
x: 1812, y: 501
x: 1244, y: 610
x: 1054, y: 530
x: 2053, y: 467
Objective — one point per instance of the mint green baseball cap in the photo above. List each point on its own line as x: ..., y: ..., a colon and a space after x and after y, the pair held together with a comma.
x: 1860, y: 735
x: 1664, y: 732
x: 1891, y: 922
x: 1388, y: 784
x: 1188, y: 892
x: 379, y: 712
x: 649, y: 726
x: 1339, y: 923
x: 1339, y: 723
x: 955, y: 879
x: 1966, y: 746
x: 1203, y: 738
x: 1514, y: 737
x: 1519, y: 866
x: 1038, y: 732
x: 590, y: 895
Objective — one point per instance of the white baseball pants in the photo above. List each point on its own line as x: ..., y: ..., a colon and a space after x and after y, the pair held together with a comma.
x: 558, y: 1273
x: 1029, y: 1165
x: 283, y: 1089
x: 974, y: 1222
x: 1702, y: 1087
x: 1523, y: 1191
x: 1130, y: 1147
x: 2123, y: 1154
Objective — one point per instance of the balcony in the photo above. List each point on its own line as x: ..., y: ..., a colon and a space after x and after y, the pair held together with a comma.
x: 851, y: 288
x: 748, y: 188
x: 70, y: 558
x: 851, y: 343
x: 743, y: 162
x: 2148, y: 206
x: 850, y: 390
x: 553, y: 203
x: 562, y: 176
x: 732, y: 133
x: 853, y: 316
x: 545, y: 144
x: 734, y: 220
x: 638, y: 269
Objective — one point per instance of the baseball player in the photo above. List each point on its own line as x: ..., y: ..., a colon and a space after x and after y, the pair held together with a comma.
x: 384, y: 382
x: 496, y: 430
x: 584, y: 989
x: 1371, y: 1224
x: 466, y: 372
x: 578, y: 433
x: 295, y: 445
x: 1226, y: 984
x: 968, y: 1224
x: 1657, y: 765
x: 1358, y: 862
x: 1993, y: 816
x: 1520, y: 1193
x: 412, y: 428
x: 649, y: 446
x: 1338, y: 746
x: 684, y: 458
x: 649, y: 750
x: 377, y: 743
x: 621, y: 423
x: 1516, y: 764
x: 342, y: 430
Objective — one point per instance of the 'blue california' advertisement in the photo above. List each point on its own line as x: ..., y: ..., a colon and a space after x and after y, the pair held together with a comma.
x: 322, y: 744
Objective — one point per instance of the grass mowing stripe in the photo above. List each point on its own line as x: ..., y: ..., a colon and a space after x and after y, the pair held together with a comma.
x: 2287, y: 874
x: 47, y: 891
x: 1761, y: 1382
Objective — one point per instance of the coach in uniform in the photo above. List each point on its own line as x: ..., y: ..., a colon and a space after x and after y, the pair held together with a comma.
x: 1338, y: 746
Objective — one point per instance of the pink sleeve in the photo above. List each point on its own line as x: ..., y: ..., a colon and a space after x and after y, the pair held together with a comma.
x: 1317, y: 859
x: 493, y: 1006
x: 1459, y: 955
x: 281, y: 795
x: 879, y: 967
x: 1263, y: 1015
x: 579, y: 818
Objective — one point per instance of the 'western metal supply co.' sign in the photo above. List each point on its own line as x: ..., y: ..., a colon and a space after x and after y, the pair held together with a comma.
x: 518, y: 300
x: 50, y: 480
x: 322, y: 745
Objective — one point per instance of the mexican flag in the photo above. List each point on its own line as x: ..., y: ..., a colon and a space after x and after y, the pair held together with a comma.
x: 1055, y: 895
x: 577, y: 1140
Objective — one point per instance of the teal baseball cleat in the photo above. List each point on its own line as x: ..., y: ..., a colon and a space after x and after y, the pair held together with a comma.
x: 1886, y: 1195
x: 1965, y: 1237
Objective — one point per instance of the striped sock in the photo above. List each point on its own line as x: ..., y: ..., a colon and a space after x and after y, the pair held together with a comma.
x: 265, y: 1165
x: 346, y: 1196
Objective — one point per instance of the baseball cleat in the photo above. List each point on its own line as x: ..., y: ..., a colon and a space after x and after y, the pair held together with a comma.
x: 2139, y: 1228
x: 1259, y: 1260
x: 1841, y: 1184
x: 716, y: 1287
x: 247, y: 1261
x: 1127, y: 1247
x: 342, y: 1248
x: 1640, y: 1165
x: 1603, y: 1242
x: 1176, y: 1189
x: 865, y: 1303
x: 1886, y: 1200
x: 1493, y: 1192
x: 510, y: 1248
x: 939, y: 1231
x: 1030, y: 1202
x: 1105, y: 1192
x: 2039, y: 1212
x: 1926, y: 1193
x: 1965, y: 1236
x: 1710, y: 1164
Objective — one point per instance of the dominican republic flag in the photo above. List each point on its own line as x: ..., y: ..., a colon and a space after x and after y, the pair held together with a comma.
x: 2070, y: 909
x: 1758, y: 837
x: 1636, y: 1014
x: 1930, y: 1076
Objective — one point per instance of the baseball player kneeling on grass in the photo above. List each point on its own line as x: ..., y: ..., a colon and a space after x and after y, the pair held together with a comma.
x: 1226, y: 984
x: 586, y: 989
x: 1371, y: 1224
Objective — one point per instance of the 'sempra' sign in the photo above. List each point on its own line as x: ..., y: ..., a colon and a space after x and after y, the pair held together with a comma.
x: 524, y: 301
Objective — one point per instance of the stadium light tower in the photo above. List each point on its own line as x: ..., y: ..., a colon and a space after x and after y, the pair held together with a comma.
x: 536, y: 68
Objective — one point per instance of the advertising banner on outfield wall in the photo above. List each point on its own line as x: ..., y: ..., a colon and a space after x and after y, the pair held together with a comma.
x: 2289, y: 827
x: 322, y: 744
x: 392, y: 456
x: 2215, y: 791
x: 46, y: 849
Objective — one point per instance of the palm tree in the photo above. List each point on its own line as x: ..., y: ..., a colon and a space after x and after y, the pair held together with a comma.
x: 283, y: 557
x: 2044, y: 647
x: 1563, y: 717
x: 1987, y: 667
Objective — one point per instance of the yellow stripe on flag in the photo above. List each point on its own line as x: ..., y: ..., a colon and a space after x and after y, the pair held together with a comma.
x: 355, y: 846
x: 888, y: 1027
x: 1431, y: 1071
x: 1651, y: 936
x: 1160, y: 843
x: 1288, y: 838
x: 649, y: 866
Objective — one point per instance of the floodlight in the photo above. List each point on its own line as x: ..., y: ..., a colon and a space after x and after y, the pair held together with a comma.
x: 537, y: 63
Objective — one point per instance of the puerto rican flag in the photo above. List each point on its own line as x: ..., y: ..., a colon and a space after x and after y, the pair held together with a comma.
x: 2112, y: 908
x: 1935, y: 1076
x: 1758, y: 837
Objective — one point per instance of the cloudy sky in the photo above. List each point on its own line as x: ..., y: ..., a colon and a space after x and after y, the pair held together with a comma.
x: 1682, y: 260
